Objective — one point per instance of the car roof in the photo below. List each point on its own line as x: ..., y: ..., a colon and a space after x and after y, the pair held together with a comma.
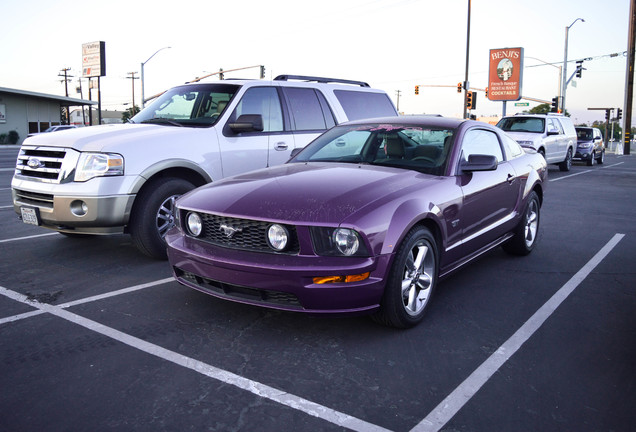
x: 420, y: 120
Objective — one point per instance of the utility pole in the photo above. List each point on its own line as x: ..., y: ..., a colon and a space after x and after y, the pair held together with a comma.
x: 397, y: 92
x: 466, y: 84
x: 133, y: 78
x: 629, y: 79
x: 66, y: 79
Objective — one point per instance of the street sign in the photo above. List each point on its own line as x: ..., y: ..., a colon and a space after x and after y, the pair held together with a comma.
x: 522, y: 104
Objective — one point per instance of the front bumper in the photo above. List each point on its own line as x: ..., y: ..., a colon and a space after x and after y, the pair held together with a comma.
x: 277, y: 281
x: 58, y: 205
x: 583, y: 154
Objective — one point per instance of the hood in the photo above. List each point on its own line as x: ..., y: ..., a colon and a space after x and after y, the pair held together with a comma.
x: 106, y: 138
x: 299, y: 193
x: 525, y: 136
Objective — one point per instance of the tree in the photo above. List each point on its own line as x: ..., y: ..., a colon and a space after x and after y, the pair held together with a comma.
x: 544, y: 109
x: 129, y: 113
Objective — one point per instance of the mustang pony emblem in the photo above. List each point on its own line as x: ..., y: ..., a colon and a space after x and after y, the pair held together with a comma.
x: 229, y: 231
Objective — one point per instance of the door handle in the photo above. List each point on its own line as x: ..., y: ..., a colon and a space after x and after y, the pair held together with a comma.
x: 511, y: 178
x: 281, y: 146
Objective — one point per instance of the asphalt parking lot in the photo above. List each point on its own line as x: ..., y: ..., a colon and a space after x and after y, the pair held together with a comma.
x: 95, y: 336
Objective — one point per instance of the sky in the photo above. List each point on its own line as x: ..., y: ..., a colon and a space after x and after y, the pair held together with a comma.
x: 391, y: 44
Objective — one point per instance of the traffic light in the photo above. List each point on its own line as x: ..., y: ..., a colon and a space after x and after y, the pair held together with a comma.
x: 486, y: 91
x: 471, y: 100
x: 262, y: 72
x: 417, y: 89
x: 221, y: 74
x: 607, y: 115
x: 619, y: 114
x: 579, y: 68
x: 459, y: 87
x: 555, y: 104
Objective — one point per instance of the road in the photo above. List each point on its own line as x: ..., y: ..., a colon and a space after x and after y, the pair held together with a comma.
x: 97, y: 337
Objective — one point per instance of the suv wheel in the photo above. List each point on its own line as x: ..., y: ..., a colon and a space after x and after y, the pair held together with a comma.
x: 567, y: 163
x: 153, y: 214
x: 592, y: 159
x: 601, y: 158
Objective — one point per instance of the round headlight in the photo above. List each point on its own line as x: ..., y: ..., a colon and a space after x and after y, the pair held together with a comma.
x: 277, y: 236
x: 346, y: 240
x: 195, y: 224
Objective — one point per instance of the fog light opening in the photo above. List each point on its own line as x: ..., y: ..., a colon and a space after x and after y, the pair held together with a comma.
x: 341, y: 279
x: 79, y: 208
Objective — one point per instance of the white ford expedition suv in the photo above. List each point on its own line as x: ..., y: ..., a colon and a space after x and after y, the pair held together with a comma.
x: 125, y: 178
x: 552, y: 135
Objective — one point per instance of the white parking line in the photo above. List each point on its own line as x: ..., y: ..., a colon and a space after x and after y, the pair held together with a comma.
x: 254, y: 387
x: 7, y: 169
x: 27, y: 237
x: 447, y: 409
x: 571, y: 175
x: 88, y: 299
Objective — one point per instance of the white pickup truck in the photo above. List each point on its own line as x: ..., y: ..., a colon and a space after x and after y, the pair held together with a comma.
x: 125, y: 178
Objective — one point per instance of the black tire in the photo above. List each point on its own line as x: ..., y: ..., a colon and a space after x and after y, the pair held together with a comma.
x: 410, y: 286
x: 567, y: 162
x: 592, y: 159
x: 601, y: 158
x: 152, y: 215
x: 526, y: 232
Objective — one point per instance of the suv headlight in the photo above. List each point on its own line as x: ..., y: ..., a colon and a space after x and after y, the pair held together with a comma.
x: 92, y: 165
x: 586, y: 145
x: 337, y: 242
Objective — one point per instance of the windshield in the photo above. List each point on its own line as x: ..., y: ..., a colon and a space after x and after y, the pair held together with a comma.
x: 584, y: 134
x: 522, y: 124
x: 193, y: 105
x: 410, y: 147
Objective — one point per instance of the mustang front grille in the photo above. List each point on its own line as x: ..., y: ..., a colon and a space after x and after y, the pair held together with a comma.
x: 242, y: 234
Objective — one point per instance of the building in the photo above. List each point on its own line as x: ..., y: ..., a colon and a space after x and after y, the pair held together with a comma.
x: 28, y: 112
x: 108, y: 117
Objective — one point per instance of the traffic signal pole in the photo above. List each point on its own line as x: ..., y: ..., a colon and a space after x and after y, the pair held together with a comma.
x: 466, y: 85
x: 629, y: 79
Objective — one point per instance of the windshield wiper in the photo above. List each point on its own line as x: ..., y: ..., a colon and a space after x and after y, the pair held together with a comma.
x: 163, y: 121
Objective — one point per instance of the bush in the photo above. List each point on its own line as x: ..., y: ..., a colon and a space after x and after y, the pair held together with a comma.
x: 13, y: 137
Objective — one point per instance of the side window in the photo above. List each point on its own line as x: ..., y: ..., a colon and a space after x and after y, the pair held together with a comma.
x: 263, y: 101
x: 360, y: 105
x: 483, y: 142
x: 306, y: 109
x: 513, y: 149
x: 555, y: 126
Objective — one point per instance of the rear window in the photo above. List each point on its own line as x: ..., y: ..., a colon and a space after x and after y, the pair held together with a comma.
x: 363, y: 105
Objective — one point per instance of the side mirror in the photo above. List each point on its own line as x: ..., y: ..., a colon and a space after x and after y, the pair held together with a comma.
x: 247, y: 123
x: 479, y: 162
x: 553, y: 132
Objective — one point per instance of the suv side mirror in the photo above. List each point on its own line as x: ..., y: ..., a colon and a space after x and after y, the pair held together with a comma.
x: 479, y: 162
x: 247, y: 123
x: 553, y: 132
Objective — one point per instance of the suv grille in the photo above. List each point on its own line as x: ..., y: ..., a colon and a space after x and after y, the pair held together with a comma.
x: 34, y: 198
x: 40, y: 162
x: 250, y: 234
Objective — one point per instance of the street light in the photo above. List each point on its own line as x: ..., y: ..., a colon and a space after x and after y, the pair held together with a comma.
x: 565, y: 64
x: 143, y: 101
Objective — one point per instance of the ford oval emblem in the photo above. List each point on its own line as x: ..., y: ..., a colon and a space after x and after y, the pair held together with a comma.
x: 34, y: 163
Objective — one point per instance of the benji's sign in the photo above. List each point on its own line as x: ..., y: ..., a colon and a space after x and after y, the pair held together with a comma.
x: 506, y: 74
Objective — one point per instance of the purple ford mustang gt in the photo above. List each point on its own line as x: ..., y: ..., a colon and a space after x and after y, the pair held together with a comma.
x: 366, y: 218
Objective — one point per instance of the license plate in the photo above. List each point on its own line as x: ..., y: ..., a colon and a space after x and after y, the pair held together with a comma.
x: 29, y: 216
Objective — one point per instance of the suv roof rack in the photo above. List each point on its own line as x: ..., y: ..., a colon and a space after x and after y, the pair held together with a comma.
x: 540, y: 114
x: 320, y: 80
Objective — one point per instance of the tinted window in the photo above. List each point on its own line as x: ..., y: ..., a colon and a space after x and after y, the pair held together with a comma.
x: 482, y: 142
x: 554, y: 126
x: 361, y: 105
x: 263, y: 101
x: 306, y: 110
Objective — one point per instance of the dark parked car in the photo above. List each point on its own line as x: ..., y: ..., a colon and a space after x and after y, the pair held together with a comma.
x: 590, y: 147
x: 365, y: 219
